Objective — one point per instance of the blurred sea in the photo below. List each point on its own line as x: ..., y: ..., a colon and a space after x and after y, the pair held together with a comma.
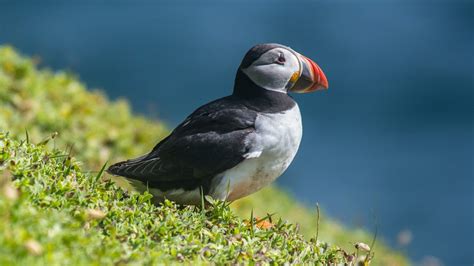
x: 391, y: 138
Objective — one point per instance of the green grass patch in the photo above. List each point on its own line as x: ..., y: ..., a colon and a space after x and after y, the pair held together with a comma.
x: 62, y: 215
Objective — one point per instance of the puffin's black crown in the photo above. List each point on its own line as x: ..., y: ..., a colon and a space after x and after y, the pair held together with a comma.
x: 258, y: 50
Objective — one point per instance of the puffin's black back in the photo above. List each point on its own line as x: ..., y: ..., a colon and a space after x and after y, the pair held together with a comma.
x: 210, y: 141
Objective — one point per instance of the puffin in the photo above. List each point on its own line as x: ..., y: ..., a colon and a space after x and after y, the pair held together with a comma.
x: 236, y: 145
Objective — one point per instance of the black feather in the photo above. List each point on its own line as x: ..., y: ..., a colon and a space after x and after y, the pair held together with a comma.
x: 208, y: 142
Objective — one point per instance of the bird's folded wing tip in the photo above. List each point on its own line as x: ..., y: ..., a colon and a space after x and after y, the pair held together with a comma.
x: 114, y: 168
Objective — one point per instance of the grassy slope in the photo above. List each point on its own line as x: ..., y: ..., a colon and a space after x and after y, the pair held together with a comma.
x: 65, y: 216
x: 42, y: 102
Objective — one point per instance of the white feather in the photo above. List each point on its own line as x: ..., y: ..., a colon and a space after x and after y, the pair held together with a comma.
x: 253, y: 154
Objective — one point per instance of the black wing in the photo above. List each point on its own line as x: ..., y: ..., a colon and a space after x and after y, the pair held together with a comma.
x: 210, y: 141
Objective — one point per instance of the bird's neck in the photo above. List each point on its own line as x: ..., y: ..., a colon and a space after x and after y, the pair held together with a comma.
x: 259, y: 98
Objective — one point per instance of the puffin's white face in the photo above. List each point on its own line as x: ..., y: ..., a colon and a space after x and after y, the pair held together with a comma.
x: 274, y: 69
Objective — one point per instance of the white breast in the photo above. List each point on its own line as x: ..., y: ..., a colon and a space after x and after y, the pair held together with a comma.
x: 274, y: 146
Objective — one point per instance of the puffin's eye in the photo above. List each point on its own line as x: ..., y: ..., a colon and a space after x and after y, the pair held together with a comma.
x: 281, y: 59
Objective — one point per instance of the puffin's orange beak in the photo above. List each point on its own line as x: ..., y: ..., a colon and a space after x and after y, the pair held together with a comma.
x: 312, y: 77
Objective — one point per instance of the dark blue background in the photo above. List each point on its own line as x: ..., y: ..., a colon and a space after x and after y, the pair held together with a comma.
x: 392, y: 137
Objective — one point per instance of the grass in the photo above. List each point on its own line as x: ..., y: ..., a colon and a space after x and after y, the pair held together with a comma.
x: 59, y: 208
x: 73, y: 217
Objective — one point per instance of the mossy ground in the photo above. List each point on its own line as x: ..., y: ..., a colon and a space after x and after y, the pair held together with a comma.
x: 68, y: 213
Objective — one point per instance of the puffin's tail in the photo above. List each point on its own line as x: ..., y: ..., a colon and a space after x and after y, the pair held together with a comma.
x: 122, y: 168
x: 121, y: 171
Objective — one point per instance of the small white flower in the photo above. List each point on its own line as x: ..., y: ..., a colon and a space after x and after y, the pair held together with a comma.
x: 95, y: 214
x: 362, y: 246
x: 33, y: 247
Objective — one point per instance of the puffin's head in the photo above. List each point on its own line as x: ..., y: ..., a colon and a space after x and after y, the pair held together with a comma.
x: 279, y: 68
